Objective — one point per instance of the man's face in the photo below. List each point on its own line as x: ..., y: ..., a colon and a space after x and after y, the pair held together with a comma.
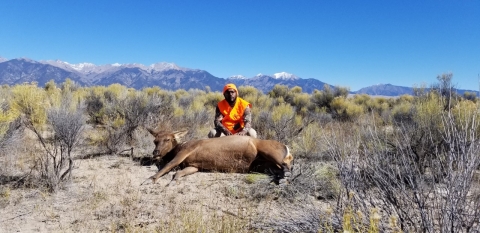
x: 230, y: 95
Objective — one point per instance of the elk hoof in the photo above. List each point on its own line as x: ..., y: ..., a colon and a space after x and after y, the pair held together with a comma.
x: 153, y: 179
x: 171, y: 183
x: 282, y: 181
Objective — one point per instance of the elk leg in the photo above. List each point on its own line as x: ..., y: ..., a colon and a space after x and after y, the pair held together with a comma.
x: 175, y: 162
x: 185, y: 172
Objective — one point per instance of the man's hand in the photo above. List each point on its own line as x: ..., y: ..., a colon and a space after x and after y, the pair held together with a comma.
x: 227, y: 132
x: 242, y: 133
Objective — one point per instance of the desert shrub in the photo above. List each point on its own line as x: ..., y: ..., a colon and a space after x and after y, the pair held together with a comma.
x: 428, y: 110
x: 420, y: 90
x: 281, y: 91
x: 70, y: 85
x: 341, y: 91
x: 383, y: 169
x: 115, y: 91
x: 327, y: 180
x: 10, y: 138
x: 446, y: 89
x: 53, y: 93
x: 125, y: 115
x: 122, y: 111
x: 343, y: 109
x: 361, y: 99
x: 101, y: 102
x: 50, y: 86
x: 180, y: 92
x: 212, y: 99
x: 95, y: 108
x: 30, y: 100
x: 323, y: 99
x: 198, y: 120
x: 405, y: 98
x: 185, y: 101
x: 465, y: 114
x: 248, y: 93
x: 301, y: 102
x: 402, y: 112
x: 6, y: 115
x: 279, y: 123
x: 155, y: 90
x: 55, y: 164
x: 472, y: 96
x: 260, y: 104
x: 307, y: 145
x: 379, y: 105
x: 296, y: 90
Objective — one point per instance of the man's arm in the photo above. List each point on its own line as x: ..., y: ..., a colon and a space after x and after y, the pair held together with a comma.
x: 247, y: 120
x: 218, y: 122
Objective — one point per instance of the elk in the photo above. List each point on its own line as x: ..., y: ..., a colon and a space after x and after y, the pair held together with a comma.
x: 234, y: 153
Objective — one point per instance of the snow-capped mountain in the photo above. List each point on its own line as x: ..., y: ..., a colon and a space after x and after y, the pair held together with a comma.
x: 267, y: 82
x: 163, y: 66
x: 86, y: 69
x: 165, y: 75
x: 284, y: 75
x: 237, y: 77
x: 89, y: 68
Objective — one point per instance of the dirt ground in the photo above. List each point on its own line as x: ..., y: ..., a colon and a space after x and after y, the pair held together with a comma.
x: 105, y: 194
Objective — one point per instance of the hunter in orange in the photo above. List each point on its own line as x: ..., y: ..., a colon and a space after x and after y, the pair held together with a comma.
x: 233, y: 115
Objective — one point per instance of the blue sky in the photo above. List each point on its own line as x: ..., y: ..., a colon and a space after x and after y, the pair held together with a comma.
x: 347, y: 43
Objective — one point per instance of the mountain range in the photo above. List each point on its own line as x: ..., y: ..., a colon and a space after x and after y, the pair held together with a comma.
x: 167, y: 76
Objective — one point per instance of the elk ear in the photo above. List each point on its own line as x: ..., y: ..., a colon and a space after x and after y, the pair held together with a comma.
x: 152, y: 131
x: 180, y: 134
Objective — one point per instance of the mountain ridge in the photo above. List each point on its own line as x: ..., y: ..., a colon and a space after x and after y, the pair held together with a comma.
x: 163, y: 74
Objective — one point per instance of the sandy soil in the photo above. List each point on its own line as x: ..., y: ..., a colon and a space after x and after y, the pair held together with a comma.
x: 105, y: 195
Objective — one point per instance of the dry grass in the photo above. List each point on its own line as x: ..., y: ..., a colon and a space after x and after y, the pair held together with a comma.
x: 104, y: 195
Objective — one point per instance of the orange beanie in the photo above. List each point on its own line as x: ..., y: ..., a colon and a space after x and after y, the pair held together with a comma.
x: 228, y: 86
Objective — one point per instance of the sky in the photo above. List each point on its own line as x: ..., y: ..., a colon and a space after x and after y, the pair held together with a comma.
x: 349, y: 43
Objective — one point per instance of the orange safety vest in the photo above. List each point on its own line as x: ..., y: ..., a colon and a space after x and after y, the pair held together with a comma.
x: 233, y: 116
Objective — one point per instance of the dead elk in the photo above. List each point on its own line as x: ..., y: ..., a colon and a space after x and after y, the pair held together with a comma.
x: 238, y: 154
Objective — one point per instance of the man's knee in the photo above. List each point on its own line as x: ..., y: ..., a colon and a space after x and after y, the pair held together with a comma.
x: 214, y: 133
x: 252, y: 133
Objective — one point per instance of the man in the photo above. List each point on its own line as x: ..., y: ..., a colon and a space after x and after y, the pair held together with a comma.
x: 233, y: 115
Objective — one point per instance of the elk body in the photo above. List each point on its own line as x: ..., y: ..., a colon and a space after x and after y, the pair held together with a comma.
x: 238, y: 154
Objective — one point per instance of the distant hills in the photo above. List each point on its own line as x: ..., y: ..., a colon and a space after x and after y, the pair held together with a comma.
x: 165, y: 75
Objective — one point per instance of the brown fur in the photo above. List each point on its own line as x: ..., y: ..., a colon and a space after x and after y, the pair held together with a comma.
x: 226, y: 154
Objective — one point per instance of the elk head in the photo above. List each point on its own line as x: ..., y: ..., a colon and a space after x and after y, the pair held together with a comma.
x: 165, y: 142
